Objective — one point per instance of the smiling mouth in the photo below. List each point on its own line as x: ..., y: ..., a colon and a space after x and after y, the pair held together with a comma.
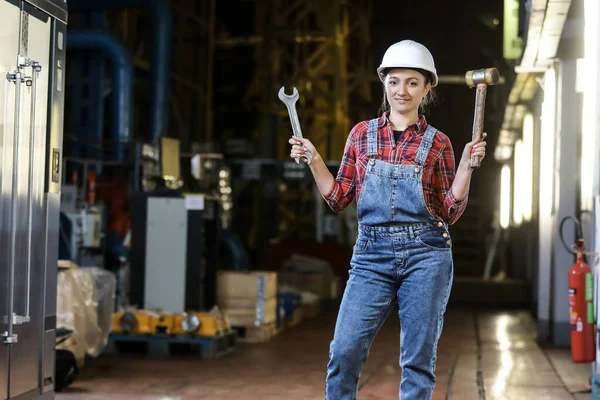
x: 402, y: 100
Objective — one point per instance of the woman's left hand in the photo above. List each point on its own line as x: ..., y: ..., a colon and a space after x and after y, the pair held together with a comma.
x: 475, y: 148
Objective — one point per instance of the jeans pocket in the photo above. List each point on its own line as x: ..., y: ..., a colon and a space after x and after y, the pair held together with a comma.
x: 361, y: 245
x: 435, y: 240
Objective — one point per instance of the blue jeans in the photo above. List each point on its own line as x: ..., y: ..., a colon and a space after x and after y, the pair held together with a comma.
x: 412, y: 267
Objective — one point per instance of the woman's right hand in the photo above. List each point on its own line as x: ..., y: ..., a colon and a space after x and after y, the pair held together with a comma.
x: 300, y: 146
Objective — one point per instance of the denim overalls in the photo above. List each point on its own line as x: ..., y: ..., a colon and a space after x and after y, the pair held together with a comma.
x: 402, y: 255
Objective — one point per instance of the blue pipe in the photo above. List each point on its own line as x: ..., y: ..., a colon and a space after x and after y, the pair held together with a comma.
x: 96, y: 71
x: 122, y: 82
x: 162, y: 25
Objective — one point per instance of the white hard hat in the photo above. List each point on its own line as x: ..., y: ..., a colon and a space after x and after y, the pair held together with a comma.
x: 408, y: 54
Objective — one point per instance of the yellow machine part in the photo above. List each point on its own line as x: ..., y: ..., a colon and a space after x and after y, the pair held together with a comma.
x: 149, y: 323
x: 209, y: 325
x: 164, y: 324
x: 116, y: 328
x: 146, y: 323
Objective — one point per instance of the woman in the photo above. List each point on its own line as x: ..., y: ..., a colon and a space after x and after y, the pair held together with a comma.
x: 402, y: 173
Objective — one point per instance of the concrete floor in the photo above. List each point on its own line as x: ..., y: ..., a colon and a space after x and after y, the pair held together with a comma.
x: 483, y: 355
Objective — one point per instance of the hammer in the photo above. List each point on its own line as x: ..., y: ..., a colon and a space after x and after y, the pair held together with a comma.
x: 480, y: 79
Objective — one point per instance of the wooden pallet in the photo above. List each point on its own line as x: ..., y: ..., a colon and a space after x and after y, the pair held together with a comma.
x: 261, y: 334
x: 208, y: 347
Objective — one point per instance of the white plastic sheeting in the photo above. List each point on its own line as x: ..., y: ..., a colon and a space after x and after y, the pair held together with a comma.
x: 85, y: 303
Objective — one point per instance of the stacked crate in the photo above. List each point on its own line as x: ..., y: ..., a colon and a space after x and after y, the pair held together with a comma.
x: 249, y: 299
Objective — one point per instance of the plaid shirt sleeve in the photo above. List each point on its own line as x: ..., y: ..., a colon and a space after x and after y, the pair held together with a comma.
x: 343, y: 190
x: 452, y: 208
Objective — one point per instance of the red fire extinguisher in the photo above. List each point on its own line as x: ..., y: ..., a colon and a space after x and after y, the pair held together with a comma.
x: 581, y: 309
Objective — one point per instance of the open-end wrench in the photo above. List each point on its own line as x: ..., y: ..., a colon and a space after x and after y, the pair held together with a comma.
x: 290, y: 103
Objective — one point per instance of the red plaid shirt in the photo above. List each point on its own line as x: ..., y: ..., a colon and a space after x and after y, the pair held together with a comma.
x: 438, y: 171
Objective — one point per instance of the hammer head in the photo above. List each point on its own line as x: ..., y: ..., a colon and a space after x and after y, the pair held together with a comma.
x: 487, y: 76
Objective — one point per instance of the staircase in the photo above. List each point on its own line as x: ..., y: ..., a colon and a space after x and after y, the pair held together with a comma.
x: 472, y: 239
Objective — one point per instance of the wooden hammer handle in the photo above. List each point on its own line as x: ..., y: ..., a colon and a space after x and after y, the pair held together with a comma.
x: 480, y: 94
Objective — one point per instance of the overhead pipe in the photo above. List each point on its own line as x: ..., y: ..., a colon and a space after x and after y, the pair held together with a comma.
x: 122, y: 82
x: 162, y: 25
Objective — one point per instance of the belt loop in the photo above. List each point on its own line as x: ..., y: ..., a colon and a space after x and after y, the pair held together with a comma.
x: 411, y: 233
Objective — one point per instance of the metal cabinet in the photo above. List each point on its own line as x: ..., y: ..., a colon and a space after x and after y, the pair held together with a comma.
x: 32, y: 58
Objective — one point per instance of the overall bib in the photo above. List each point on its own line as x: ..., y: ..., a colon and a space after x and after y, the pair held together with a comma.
x: 403, y: 256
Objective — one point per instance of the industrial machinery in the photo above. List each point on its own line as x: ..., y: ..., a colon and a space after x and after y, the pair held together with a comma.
x: 79, y: 230
x: 174, y: 242
x: 32, y: 81
x: 182, y: 324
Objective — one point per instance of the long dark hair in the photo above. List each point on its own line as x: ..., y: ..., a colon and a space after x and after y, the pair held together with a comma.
x: 427, y: 100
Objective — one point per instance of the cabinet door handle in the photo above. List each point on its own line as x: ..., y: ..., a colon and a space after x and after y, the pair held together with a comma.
x: 36, y: 68
x: 9, y: 336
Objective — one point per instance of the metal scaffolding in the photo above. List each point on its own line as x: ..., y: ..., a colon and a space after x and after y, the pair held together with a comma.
x: 322, y: 49
x: 193, y: 66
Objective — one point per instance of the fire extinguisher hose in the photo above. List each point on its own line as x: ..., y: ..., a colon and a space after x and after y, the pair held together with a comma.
x: 579, y: 231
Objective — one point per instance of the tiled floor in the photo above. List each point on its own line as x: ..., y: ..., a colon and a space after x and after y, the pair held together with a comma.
x: 501, y: 346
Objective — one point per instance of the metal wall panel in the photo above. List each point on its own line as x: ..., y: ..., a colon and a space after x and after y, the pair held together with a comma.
x: 48, y: 298
x: 566, y: 202
x: 52, y: 188
x: 9, y: 37
x: 54, y: 162
x: 25, y: 357
x: 166, y: 254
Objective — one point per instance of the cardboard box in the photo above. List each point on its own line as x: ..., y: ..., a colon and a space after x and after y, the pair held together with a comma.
x: 241, y: 284
x: 248, y: 315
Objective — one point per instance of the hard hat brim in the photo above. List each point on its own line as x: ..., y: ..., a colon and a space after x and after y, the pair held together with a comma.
x: 434, y: 77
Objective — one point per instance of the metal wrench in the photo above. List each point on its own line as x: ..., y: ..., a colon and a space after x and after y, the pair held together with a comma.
x: 290, y: 103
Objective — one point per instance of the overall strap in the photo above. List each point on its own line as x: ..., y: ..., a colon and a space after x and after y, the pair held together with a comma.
x: 372, y: 137
x: 426, y: 144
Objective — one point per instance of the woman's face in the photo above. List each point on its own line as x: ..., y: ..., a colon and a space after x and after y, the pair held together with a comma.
x: 405, y: 89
